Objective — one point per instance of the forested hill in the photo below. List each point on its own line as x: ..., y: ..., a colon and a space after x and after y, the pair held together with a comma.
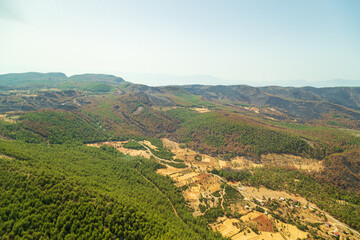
x: 35, y: 80
x: 76, y: 192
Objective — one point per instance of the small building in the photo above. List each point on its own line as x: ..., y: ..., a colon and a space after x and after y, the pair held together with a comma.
x: 328, y: 224
x: 282, y: 199
x: 336, y: 234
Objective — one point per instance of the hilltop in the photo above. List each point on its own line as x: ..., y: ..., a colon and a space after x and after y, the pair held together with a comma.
x: 35, y: 80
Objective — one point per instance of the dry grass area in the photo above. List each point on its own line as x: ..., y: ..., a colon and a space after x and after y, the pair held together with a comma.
x: 265, y: 224
x: 5, y: 157
x: 119, y: 146
x: 288, y: 231
x: 300, y: 210
x: 252, y: 109
x: 147, y: 143
x: 242, y: 162
x: 199, y: 185
x: 202, y: 185
x: 241, y: 229
x: 169, y: 171
x: 207, y: 163
x: 201, y: 110
x: 6, y: 118
x: 250, y: 235
x: 180, y: 153
x: 228, y: 227
x: 301, y: 163
x: 260, y: 193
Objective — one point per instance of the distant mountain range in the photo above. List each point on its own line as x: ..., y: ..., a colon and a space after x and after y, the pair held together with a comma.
x: 318, y: 84
x: 167, y: 79
x: 38, y: 79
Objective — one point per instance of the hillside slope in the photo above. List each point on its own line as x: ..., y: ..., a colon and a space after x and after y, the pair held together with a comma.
x: 255, y: 136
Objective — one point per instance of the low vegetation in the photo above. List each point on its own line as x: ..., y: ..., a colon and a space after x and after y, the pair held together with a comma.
x: 177, y: 165
x: 163, y: 153
x: 134, y: 145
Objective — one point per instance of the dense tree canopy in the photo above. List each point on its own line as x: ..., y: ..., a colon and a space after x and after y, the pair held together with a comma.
x: 213, y: 134
x: 71, y: 191
x: 61, y: 126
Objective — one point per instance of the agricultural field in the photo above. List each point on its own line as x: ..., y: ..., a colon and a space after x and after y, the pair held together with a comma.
x: 244, y: 212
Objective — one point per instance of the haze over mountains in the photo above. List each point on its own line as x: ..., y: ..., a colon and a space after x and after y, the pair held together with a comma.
x: 167, y: 79
x: 153, y: 79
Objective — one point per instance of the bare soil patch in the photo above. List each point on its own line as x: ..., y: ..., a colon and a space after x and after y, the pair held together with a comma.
x: 228, y: 227
x: 201, y: 110
x: 147, y: 143
x: 119, y: 146
x: 289, y: 231
x: 242, y: 162
x: 298, y: 162
x: 8, y: 119
x: 262, y: 192
x: 263, y: 223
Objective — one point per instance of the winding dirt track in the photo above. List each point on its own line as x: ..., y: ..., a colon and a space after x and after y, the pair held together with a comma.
x: 149, y: 150
x: 172, y: 205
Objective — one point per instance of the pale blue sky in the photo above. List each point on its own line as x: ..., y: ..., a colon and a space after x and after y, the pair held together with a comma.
x: 254, y: 41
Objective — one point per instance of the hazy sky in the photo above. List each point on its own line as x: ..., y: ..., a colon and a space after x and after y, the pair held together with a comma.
x: 235, y: 41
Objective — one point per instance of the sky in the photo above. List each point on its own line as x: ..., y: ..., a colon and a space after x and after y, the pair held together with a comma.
x: 166, y: 42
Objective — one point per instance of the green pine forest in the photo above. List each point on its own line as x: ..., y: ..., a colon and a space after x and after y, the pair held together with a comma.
x: 71, y: 191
